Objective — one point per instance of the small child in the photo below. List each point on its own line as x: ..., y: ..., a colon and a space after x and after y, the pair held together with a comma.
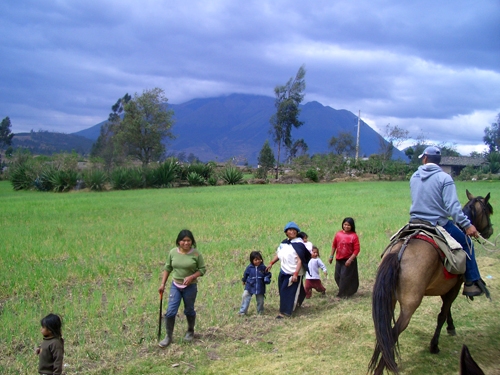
x: 51, y: 351
x: 313, y: 280
x: 255, y: 279
x: 308, y: 244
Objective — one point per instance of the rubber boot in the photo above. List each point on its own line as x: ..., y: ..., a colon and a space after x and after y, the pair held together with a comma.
x: 190, y: 332
x: 169, y: 324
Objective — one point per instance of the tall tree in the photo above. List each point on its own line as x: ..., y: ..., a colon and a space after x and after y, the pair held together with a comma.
x: 266, y: 158
x: 299, y: 147
x: 492, y: 136
x: 5, y: 133
x: 105, y: 147
x: 343, y: 144
x: 394, y: 137
x: 448, y: 149
x: 146, y: 124
x: 415, y: 150
x: 287, y: 101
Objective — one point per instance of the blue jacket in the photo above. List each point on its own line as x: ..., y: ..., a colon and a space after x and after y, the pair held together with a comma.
x: 256, y: 278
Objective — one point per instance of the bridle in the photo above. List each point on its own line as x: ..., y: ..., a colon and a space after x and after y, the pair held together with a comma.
x: 475, y: 215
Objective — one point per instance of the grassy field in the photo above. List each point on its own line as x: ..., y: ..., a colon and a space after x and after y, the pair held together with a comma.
x: 96, y: 259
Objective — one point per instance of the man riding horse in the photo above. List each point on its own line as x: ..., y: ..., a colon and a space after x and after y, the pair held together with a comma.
x: 434, y: 200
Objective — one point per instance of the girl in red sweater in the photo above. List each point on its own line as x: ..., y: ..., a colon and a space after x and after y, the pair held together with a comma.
x: 346, y: 246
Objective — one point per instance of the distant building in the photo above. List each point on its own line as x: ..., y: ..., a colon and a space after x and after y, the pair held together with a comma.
x: 453, y: 165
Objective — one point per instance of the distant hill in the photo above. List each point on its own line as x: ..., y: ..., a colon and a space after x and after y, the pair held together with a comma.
x: 48, y: 143
x: 237, y: 125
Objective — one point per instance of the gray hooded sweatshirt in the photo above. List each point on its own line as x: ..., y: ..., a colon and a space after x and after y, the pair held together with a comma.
x: 434, y: 197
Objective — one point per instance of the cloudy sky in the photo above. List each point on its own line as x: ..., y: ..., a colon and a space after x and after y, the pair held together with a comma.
x: 430, y: 67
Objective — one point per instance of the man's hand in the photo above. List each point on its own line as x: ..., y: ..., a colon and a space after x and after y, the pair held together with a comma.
x: 472, y: 231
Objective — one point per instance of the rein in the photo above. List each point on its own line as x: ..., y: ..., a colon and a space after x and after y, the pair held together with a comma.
x: 487, y: 245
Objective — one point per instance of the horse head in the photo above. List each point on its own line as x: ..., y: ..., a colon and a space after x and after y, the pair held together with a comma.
x: 478, y: 210
x: 467, y: 364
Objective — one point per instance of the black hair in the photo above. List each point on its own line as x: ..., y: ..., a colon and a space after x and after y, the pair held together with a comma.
x: 185, y: 233
x: 53, y: 323
x: 255, y: 255
x: 302, y: 235
x: 350, y: 220
x: 315, y: 248
x: 436, y: 159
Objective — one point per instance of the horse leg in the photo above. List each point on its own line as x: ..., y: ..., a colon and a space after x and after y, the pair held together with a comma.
x: 444, y: 315
x: 450, y: 327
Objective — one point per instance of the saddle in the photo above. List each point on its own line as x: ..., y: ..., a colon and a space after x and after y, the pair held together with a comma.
x: 451, y: 253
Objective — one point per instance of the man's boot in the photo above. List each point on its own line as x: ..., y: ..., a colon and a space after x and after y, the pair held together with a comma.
x: 475, y: 289
x: 472, y: 290
x: 190, y: 332
x: 169, y: 324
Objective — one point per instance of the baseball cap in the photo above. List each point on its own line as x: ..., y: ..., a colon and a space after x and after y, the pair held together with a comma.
x: 430, y: 151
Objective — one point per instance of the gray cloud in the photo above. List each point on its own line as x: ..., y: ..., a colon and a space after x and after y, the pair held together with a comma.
x: 429, y: 66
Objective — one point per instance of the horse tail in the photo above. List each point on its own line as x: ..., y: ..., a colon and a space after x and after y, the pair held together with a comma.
x: 383, y: 298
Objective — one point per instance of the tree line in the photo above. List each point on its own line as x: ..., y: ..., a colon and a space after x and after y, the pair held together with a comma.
x: 138, y: 128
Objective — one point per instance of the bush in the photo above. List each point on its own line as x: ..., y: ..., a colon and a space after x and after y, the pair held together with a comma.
x: 63, y: 180
x: 312, y: 174
x: 119, y: 180
x: 95, y: 179
x: 44, y: 181
x: 231, y: 175
x: 23, y: 176
x: 261, y: 173
x: 204, y: 170
x: 165, y: 174
x: 195, y: 179
x: 212, y: 180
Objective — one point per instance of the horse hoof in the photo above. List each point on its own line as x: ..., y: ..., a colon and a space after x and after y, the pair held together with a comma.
x: 434, y: 350
x: 452, y: 332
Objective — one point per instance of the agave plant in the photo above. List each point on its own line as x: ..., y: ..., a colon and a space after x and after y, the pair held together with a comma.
x: 195, y: 179
x: 22, y: 176
x: 95, y: 179
x: 119, y: 179
x: 231, y: 175
x: 212, y: 180
x: 166, y: 173
x: 44, y: 180
x: 63, y: 180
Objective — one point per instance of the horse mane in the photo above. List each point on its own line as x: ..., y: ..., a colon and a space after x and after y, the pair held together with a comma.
x: 467, y: 365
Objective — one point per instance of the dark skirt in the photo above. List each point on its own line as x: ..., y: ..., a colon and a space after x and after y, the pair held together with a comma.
x: 347, y: 278
x: 290, y: 296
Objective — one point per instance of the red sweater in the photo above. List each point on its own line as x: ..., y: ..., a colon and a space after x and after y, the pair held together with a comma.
x: 346, y: 244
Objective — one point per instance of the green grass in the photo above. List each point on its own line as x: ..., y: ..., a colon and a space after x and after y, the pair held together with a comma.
x: 96, y: 259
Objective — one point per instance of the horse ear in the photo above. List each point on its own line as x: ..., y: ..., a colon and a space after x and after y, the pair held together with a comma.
x: 469, y: 195
x: 487, y: 198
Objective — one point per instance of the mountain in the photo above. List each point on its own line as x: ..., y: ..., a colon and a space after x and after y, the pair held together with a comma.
x: 237, y: 125
x: 47, y: 143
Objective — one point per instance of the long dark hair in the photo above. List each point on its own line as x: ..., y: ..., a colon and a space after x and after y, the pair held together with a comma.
x: 185, y: 233
x: 349, y: 220
x: 53, y: 323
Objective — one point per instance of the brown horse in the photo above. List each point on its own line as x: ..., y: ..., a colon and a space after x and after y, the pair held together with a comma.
x: 407, y: 279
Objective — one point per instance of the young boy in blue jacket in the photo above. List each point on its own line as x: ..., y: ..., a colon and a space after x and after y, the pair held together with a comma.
x: 255, y: 279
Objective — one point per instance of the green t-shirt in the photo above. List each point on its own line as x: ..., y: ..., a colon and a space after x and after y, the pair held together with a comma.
x: 181, y: 265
